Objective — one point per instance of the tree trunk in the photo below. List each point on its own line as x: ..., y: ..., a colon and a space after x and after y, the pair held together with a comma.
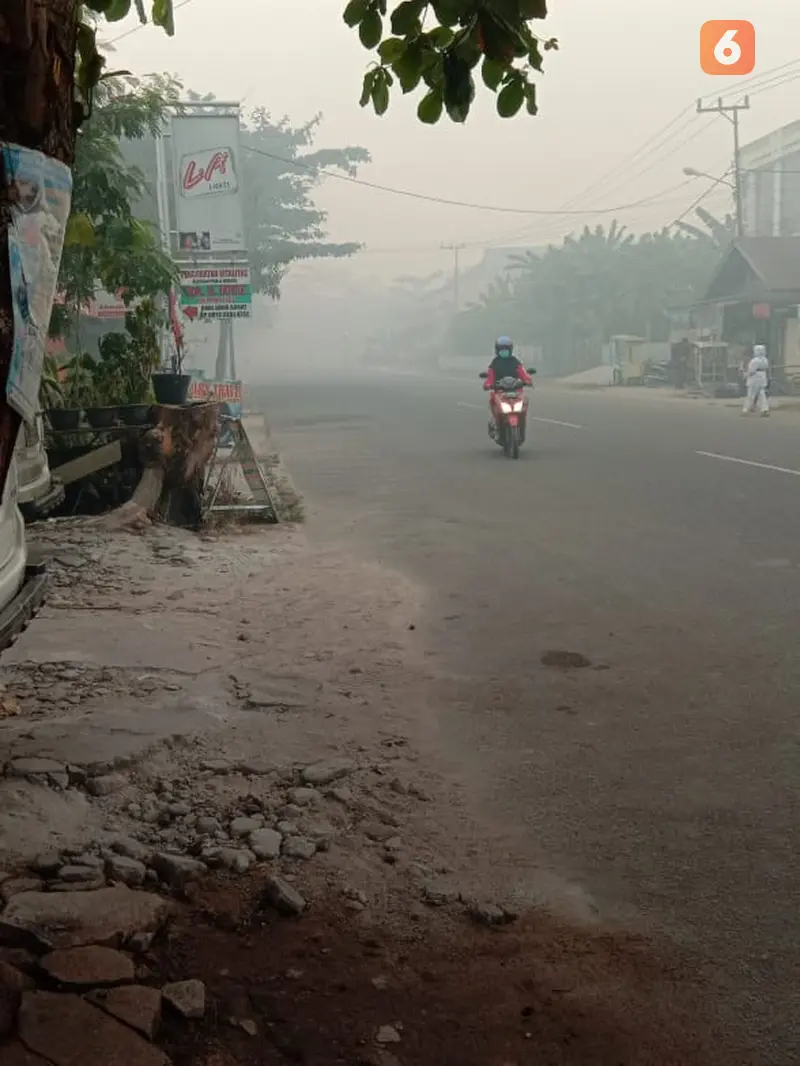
x: 37, y: 110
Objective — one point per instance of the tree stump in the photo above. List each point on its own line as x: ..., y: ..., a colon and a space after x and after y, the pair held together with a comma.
x: 175, y: 455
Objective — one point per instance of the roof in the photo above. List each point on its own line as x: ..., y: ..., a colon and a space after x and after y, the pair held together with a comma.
x: 772, y: 263
x: 776, y: 260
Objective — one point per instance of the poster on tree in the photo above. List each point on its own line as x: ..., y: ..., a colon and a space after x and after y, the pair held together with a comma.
x: 39, y: 190
x: 208, y: 190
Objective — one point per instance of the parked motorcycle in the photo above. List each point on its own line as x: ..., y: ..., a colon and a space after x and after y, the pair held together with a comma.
x: 510, y: 410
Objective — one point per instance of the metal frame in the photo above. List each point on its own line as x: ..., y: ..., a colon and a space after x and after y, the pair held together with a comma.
x: 241, y: 451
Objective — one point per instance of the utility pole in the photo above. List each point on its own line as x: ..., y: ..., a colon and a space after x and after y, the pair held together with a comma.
x: 455, y: 249
x: 731, y: 113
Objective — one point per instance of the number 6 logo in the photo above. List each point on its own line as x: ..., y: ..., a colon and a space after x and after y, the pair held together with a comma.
x: 727, y: 47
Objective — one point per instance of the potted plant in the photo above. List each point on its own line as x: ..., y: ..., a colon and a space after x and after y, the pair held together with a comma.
x: 171, y: 387
x: 68, y: 394
x: 142, y: 358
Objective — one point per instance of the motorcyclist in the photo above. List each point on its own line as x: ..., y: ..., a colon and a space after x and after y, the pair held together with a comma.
x: 505, y: 365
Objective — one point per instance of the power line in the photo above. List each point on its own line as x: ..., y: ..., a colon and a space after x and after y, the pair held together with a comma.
x: 428, y: 198
x: 141, y: 25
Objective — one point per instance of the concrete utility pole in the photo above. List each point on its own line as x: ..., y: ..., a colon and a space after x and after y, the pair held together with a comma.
x: 455, y: 249
x: 731, y: 113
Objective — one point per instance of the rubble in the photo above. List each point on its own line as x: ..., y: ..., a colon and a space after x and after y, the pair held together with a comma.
x: 66, y: 1030
x: 188, y: 998
x: 108, y: 916
x: 136, y: 1005
x: 88, y: 967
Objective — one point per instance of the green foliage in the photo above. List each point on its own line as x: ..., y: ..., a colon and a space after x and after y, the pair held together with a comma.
x: 440, y: 44
x: 570, y: 299
x: 104, y: 243
x: 127, y: 360
x: 281, y: 221
x: 90, y: 67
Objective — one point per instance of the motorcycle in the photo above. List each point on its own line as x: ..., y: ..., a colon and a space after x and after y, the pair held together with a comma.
x: 510, y: 409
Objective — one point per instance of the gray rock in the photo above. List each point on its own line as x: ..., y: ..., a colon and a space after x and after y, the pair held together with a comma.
x: 47, y: 771
x: 88, y: 967
x: 66, y: 1030
x: 324, y: 773
x: 86, y: 858
x: 299, y: 848
x: 217, y: 766
x: 132, y: 849
x: 135, y: 1005
x: 47, y: 864
x: 291, y: 812
x: 75, y: 873
x: 48, y: 920
x: 266, y: 843
x: 96, y: 882
x: 387, y: 1034
x: 302, y: 797
x: 242, y: 827
x: 106, y: 785
x: 13, y: 886
x: 207, y: 825
x: 238, y: 860
x: 126, y: 871
x: 378, y: 832
x: 187, y: 998
x: 283, y: 897
x: 178, y: 809
x: 341, y: 794
x: 288, y: 829
x: 440, y: 894
x: 177, y: 870
x: 490, y: 914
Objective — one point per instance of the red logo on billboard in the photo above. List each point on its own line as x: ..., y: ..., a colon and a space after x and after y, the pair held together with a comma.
x: 195, y: 175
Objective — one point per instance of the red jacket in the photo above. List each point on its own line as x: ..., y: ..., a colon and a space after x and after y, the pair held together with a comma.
x: 519, y: 372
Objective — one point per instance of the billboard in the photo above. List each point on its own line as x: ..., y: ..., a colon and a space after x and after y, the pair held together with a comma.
x: 209, y: 213
x: 216, y: 292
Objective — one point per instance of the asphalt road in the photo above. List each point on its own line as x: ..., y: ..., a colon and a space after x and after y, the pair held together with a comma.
x: 661, y: 781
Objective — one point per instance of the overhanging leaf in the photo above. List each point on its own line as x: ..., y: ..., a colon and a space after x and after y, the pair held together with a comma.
x: 510, y: 98
x: 355, y: 12
x: 79, y: 232
x: 392, y: 49
x: 116, y: 10
x: 164, y: 16
x: 370, y: 29
x: 431, y: 107
x: 492, y: 73
x: 406, y: 17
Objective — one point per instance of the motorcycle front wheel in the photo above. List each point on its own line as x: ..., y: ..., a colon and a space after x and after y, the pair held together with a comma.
x: 512, y: 442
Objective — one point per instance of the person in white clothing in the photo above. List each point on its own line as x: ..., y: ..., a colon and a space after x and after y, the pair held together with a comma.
x: 756, y: 380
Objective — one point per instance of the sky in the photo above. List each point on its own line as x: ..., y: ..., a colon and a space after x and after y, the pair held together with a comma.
x: 624, y: 71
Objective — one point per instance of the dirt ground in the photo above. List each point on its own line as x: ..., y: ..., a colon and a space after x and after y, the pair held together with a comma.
x: 322, y: 988
x: 178, y: 687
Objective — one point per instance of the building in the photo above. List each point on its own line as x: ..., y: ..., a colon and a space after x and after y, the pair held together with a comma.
x: 770, y: 179
x: 753, y: 298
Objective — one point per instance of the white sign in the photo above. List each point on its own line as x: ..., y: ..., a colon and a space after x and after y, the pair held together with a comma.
x: 208, y: 194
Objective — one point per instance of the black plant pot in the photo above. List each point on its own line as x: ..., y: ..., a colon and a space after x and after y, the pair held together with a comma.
x: 64, y: 418
x: 172, y: 390
x: 135, y: 414
x: 101, y: 417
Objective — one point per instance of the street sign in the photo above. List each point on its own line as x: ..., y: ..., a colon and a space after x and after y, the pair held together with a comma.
x: 212, y: 292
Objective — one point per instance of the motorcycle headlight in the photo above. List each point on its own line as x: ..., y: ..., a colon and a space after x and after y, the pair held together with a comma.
x: 506, y: 408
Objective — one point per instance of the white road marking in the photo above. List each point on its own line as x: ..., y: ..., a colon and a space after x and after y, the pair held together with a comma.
x: 750, y: 462
x: 555, y: 422
x: 533, y: 418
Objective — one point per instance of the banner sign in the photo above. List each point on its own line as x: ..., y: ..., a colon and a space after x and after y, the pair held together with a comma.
x: 216, y: 292
x: 204, y: 390
x: 208, y: 193
x: 39, y: 193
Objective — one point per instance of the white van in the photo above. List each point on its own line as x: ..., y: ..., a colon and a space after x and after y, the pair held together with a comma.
x: 22, y: 584
x: 39, y: 493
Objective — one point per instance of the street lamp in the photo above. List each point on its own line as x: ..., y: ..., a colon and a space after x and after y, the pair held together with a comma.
x: 735, y: 186
x: 691, y: 172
